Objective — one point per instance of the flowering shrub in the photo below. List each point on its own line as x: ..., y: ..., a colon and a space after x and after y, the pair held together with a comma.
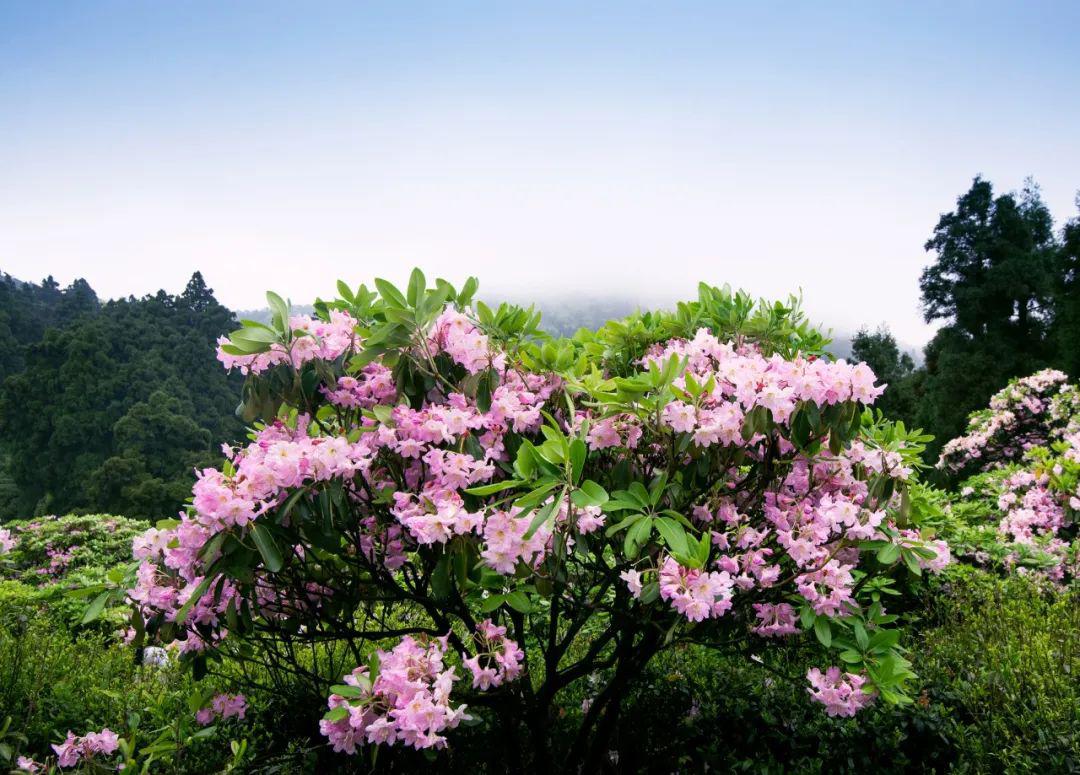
x: 1030, y: 412
x: 1023, y: 510
x: 222, y: 706
x: 47, y: 549
x: 447, y: 491
x: 106, y: 751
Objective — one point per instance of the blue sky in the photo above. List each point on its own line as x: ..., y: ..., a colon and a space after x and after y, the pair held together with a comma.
x: 621, y: 148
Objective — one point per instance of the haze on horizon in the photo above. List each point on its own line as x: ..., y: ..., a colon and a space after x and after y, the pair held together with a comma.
x: 613, y: 150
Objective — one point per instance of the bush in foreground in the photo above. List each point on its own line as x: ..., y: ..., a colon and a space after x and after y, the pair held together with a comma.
x: 485, y: 518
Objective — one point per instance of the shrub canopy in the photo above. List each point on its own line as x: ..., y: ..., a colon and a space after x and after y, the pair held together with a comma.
x: 485, y: 516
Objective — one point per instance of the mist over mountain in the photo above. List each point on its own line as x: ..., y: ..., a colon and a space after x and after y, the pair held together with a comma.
x: 564, y: 315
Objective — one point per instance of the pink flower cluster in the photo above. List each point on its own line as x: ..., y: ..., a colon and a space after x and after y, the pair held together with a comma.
x: 694, y: 593
x: 454, y: 334
x: 222, y: 706
x: 407, y: 702
x: 498, y: 658
x: 775, y: 620
x: 397, y: 465
x: 1029, y: 412
x: 327, y: 340
x: 374, y: 385
x: 841, y: 693
x: 424, y: 442
x: 744, y: 379
x: 59, y: 559
x: 74, y: 749
x: 1035, y: 518
x: 1031, y: 509
x: 26, y: 764
x: 621, y: 430
x: 505, y: 543
x: 7, y: 541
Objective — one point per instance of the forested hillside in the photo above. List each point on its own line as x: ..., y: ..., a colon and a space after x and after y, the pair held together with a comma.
x: 109, y: 407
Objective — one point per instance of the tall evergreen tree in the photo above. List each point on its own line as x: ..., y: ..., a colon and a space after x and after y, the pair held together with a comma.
x: 1067, y: 303
x: 992, y: 284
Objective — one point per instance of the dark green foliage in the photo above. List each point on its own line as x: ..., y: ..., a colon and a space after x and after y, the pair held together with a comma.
x: 1003, y: 658
x: 997, y: 659
x: 52, y: 682
x: 879, y: 351
x: 90, y: 541
x: 27, y: 310
x: 115, y: 409
x: 992, y: 283
x: 995, y: 261
x: 1066, y: 327
x: 961, y: 374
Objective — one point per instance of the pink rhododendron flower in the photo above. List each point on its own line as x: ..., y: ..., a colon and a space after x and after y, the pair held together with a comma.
x: 695, y: 594
x: 775, y: 620
x: 408, y: 702
x: 74, y: 749
x: 498, y: 659
x: 68, y: 752
x: 7, y: 541
x: 633, y: 581
x: 841, y: 693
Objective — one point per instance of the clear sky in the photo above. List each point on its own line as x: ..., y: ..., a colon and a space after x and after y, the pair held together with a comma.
x: 618, y: 148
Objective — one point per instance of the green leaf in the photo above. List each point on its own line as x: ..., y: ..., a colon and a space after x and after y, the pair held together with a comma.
x: 200, y: 590
x: 577, y: 459
x: 491, y: 602
x: 390, y: 294
x: 638, y: 492
x: 623, y: 524
x: 280, y: 311
x: 519, y: 601
x: 637, y: 536
x: 267, y: 547
x: 532, y: 498
x: 657, y: 491
x: 468, y: 291
x: 912, y: 562
x: 860, y: 636
x: 337, y: 714
x: 491, y: 489
x: 888, y: 554
x: 416, y: 288
x: 673, y: 534
x: 383, y: 413
x: 347, y: 690
x: 597, y: 495
x: 345, y: 291
x: 440, y: 578
x: 703, y: 548
x: 542, y: 516
x: 823, y: 631
x: 93, y: 611
x: 254, y: 336
x: 525, y: 462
